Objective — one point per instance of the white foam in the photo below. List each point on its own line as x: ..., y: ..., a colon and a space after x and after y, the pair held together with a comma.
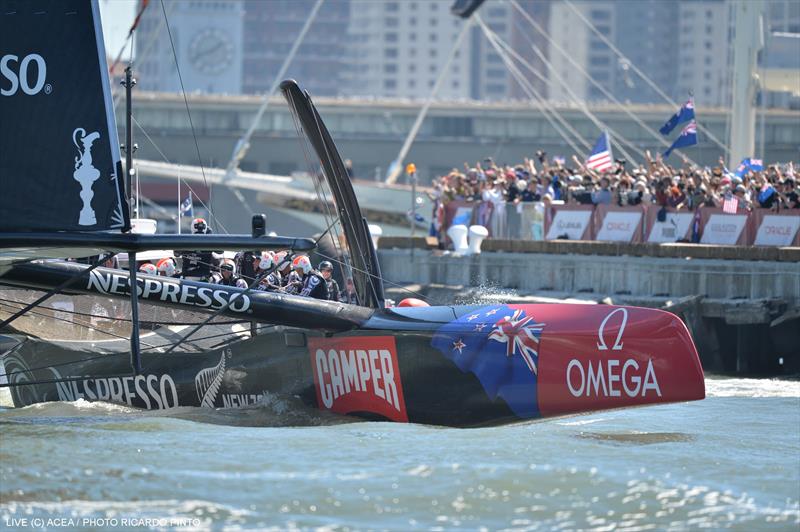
x: 734, y: 387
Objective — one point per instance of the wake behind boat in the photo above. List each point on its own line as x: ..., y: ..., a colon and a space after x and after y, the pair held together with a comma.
x: 174, y: 342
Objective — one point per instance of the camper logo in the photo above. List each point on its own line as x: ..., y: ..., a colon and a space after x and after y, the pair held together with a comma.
x: 85, y: 173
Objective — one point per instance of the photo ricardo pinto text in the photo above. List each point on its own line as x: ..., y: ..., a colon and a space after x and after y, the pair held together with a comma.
x: 358, y: 374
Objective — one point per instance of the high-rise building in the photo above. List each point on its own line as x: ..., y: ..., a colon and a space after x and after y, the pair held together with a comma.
x: 207, y: 40
x: 271, y: 28
x: 397, y: 49
x: 703, y: 59
x: 680, y: 46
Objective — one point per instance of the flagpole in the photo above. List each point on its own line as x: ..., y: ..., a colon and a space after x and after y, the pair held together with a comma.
x: 180, y: 214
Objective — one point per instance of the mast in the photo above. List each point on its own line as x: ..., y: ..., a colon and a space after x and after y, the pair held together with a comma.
x: 136, y: 360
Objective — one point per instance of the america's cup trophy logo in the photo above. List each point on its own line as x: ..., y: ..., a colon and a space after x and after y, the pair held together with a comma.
x: 85, y: 173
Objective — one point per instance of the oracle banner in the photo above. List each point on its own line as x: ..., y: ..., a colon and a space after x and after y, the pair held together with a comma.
x: 775, y: 229
x: 618, y: 224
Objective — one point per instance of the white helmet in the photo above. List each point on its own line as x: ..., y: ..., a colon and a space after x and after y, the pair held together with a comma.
x: 267, y: 260
x: 149, y: 268
x: 228, y: 265
x: 302, y: 263
x: 166, y: 266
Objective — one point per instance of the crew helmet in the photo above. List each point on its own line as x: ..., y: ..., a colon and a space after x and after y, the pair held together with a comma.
x: 267, y: 260
x: 302, y: 263
x: 199, y: 225
x: 149, y: 268
x: 166, y: 266
x: 325, y: 265
x: 228, y: 266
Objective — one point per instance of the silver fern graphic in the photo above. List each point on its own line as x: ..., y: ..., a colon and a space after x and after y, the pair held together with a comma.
x: 208, y: 381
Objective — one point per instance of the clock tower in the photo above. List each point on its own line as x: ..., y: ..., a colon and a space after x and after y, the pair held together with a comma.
x: 207, y: 35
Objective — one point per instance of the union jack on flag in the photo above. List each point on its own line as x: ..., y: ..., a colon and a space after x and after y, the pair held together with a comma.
x: 517, y: 331
x: 688, y: 137
x: 500, y: 346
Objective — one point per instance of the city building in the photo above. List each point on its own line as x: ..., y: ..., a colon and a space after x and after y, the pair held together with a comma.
x: 207, y: 38
x: 397, y: 49
x: 270, y: 30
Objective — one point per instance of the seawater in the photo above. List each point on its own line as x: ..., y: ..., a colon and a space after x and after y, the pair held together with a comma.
x: 729, y: 461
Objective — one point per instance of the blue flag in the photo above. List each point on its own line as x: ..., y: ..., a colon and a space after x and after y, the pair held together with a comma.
x: 500, y: 346
x: 688, y: 138
x: 684, y: 114
x: 747, y: 164
x: 187, y: 209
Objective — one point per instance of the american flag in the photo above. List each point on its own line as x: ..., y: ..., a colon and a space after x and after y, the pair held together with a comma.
x: 601, y: 159
x: 730, y: 204
x: 500, y: 346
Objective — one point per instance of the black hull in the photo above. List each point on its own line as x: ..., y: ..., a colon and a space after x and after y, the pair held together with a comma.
x: 237, y: 373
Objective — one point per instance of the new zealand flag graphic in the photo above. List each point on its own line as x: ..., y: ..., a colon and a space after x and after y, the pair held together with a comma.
x: 500, y: 345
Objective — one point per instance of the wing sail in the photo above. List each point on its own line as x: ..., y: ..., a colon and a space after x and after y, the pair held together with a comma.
x: 59, y: 153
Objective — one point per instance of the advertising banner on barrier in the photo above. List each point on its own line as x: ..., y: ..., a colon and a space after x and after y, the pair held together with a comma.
x: 724, y: 229
x: 618, y: 224
x: 573, y: 222
x: 776, y: 229
x: 676, y: 227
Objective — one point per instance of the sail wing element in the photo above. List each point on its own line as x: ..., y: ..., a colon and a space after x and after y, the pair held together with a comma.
x: 59, y: 153
x: 366, y: 270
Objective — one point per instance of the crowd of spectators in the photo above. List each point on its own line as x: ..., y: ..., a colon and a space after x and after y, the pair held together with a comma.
x: 496, y: 187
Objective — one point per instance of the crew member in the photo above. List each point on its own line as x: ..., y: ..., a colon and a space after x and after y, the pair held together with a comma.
x: 269, y: 276
x: 349, y: 295
x: 247, y: 265
x: 314, y: 284
x: 148, y: 268
x: 326, y: 269
x: 295, y: 278
x: 197, y: 264
x: 166, y: 267
x: 227, y: 275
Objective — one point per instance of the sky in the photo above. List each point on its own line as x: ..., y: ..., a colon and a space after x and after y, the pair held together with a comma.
x: 117, y: 17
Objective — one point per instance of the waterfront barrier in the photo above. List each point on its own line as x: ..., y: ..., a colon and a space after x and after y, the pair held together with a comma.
x: 631, y: 224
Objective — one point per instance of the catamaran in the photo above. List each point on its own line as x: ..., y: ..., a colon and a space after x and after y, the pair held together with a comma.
x: 73, y: 331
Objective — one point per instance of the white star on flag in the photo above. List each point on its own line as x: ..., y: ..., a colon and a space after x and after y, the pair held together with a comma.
x: 479, y: 327
x: 473, y: 317
x: 458, y: 346
x: 492, y: 312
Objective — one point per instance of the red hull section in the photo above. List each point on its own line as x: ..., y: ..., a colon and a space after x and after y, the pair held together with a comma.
x: 358, y: 375
x: 602, y: 357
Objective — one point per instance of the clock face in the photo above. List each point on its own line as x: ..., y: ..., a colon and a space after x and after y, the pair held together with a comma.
x: 211, y: 51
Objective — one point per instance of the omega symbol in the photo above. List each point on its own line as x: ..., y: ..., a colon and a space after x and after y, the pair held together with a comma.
x: 601, y: 345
